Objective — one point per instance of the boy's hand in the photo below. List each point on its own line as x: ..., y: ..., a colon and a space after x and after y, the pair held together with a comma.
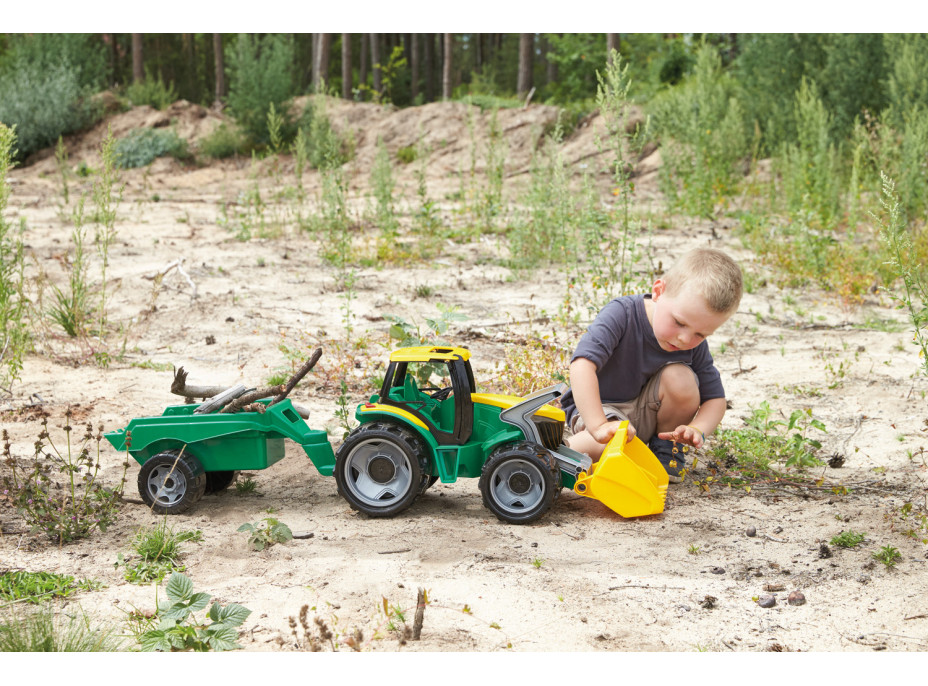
x: 684, y: 434
x: 604, y: 432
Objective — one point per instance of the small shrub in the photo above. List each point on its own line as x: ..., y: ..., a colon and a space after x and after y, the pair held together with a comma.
x: 848, y: 539
x: 179, y: 629
x: 261, y: 536
x: 407, y: 155
x: 158, y: 550
x: 43, y: 632
x: 142, y: 146
x: 888, y: 555
x: 152, y: 92
x: 73, y: 507
x: 14, y: 329
x: 35, y: 587
x: 222, y: 142
x: 246, y: 485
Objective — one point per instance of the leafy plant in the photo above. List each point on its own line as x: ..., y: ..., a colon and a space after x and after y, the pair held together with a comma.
x: 107, y: 194
x: 142, y: 146
x: 179, y: 629
x: 71, y: 309
x: 888, y: 555
x: 14, y: 331
x: 36, y: 587
x: 223, y: 141
x: 264, y: 535
x: 159, y: 550
x: 44, y: 632
x: 848, y: 539
x: 246, y: 485
x: 75, y: 508
x: 151, y: 91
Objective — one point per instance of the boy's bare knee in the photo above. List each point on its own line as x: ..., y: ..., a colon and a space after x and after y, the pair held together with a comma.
x: 679, y: 390
x: 583, y: 442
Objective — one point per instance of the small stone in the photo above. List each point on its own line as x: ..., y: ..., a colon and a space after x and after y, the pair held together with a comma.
x: 796, y: 598
x: 824, y: 552
x: 767, y: 601
x: 717, y: 570
x: 774, y: 588
x: 534, y: 545
x: 751, y: 532
x: 708, y: 602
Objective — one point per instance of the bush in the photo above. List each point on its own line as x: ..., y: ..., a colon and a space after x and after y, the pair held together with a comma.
x: 142, y: 146
x: 152, y: 92
x: 44, y: 103
x: 222, y: 142
x: 14, y: 332
x: 261, y: 75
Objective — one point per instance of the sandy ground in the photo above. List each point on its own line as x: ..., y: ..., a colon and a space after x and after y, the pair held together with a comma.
x: 580, y: 579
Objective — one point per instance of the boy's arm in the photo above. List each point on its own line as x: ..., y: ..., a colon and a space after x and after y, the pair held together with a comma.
x: 704, y: 423
x: 584, y: 384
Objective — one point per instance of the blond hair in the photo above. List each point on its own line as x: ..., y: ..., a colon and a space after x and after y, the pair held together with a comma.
x: 712, y: 274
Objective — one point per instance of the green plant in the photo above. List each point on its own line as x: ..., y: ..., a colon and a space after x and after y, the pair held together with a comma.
x: 407, y: 334
x: 888, y: 555
x: 72, y: 309
x: 107, y: 194
x: 223, y: 141
x: 848, y: 539
x: 408, y: 154
x: 36, y: 587
x: 70, y: 510
x: 383, y: 184
x: 264, y: 535
x: 179, y: 629
x: 151, y: 91
x: 158, y: 550
x: 140, y: 147
x: 246, y: 485
x: 537, y: 562
x: 44, y: 632
x: 693, y: 549
x: 61, y: 161
x: 14, y: 331
x: 902, y: 260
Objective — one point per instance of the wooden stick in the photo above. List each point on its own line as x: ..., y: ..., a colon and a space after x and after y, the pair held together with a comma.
x: 421, y: 601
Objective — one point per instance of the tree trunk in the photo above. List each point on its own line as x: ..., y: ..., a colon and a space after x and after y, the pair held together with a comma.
x: 346, y: 66
x: 190, y: 67
x: 322, y: 48
x: 362, y: 71
x: 220, y: 69
x: 428, y: 60
x: 550, y: 65
x: 138, y: 70
x: 376, y: 58
x: 414, y: 66
x: 612, y: 43
x: 526, y: 48
x: 446, y: 73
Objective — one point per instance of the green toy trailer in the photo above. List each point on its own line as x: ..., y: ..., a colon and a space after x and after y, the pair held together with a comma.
x: 412, y: 435
x: 184, y: 454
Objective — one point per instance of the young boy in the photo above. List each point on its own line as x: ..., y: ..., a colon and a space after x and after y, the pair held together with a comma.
x: 645, y: 359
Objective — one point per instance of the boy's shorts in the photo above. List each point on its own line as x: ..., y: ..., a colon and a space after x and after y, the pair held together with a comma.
x: 641, y: 412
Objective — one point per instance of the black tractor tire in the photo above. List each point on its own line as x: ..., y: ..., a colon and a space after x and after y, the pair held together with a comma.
x: 519, y: 482
x: 379, y: 468
x: 170, y: 484
x: 220, y: 481
x: 427, y: 482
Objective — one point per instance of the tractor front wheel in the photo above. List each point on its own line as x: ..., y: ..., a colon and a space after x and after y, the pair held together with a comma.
x: 519, y: 482
x: 171, y: 482
x: 379, y: 469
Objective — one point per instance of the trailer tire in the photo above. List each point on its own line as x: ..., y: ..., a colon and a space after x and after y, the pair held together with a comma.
x: 379, y: 469
x: 519, y: 482
x: 170, y: 484
x: 220, y: 481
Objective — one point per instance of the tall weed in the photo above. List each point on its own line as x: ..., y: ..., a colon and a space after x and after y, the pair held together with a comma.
x: 14, y: 331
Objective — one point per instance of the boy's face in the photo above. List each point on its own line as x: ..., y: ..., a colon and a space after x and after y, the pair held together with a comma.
x: 681, y: 321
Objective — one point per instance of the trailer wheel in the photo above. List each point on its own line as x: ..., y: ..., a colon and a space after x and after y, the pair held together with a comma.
x: 519, y: 482
x: 379, y: 469
x: 427, y: 482
x: 220, y: 481
x: 170, y: 484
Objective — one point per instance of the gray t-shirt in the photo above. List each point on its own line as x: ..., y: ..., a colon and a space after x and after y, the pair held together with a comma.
x: 621, y: 343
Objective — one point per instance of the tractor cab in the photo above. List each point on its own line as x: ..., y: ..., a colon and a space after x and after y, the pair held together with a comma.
x: 433, y: 384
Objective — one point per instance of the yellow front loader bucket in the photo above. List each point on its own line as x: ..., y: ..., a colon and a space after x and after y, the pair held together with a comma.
x: 628, y: 479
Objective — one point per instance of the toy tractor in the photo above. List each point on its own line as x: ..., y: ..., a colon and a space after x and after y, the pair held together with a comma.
x: 416, y: 431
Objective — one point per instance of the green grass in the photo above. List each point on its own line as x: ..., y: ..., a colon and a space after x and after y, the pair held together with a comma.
x: 44, y: 632
x: 848, y: 539
x: 35, y: 587
x: 158, y: 552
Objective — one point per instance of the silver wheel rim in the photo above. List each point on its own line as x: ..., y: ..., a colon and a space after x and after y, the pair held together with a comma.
x: 517, y: 486
x: 166, y: 485
x: 378, y: 473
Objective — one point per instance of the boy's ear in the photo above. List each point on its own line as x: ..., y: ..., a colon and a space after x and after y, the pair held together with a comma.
x: 657, y: 290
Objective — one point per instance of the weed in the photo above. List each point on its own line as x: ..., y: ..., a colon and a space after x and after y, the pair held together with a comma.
x: 72, y: 309
x: 246, y: 485
x: 223, y: 141
x: 14, y: 331
x: 383, y: 185
x: 537, y: 562
x: 407, y: 154
x: 261, y: 536
x: 539, y: 361
x: 317, y: 635
x: 158, y: 550
x: 70, y: 510
x: 151, y: 91
x: 61, y: 161
x: 178, y: 627
x: 107, y: 194
x: 888, y: 555
x: 44, y: 632
x: 848, y: 539
x: 35, y: 587
x: 343, y: 412
x: 693, y: 549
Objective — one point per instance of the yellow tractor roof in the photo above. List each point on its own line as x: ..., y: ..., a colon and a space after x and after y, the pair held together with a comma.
x: 429, y: 353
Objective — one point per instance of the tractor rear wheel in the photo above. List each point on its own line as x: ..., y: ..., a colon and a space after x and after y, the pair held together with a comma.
x: 519, y: 482
x: 171, y: 482
x: 219, y: 481
x: 379, y: 469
